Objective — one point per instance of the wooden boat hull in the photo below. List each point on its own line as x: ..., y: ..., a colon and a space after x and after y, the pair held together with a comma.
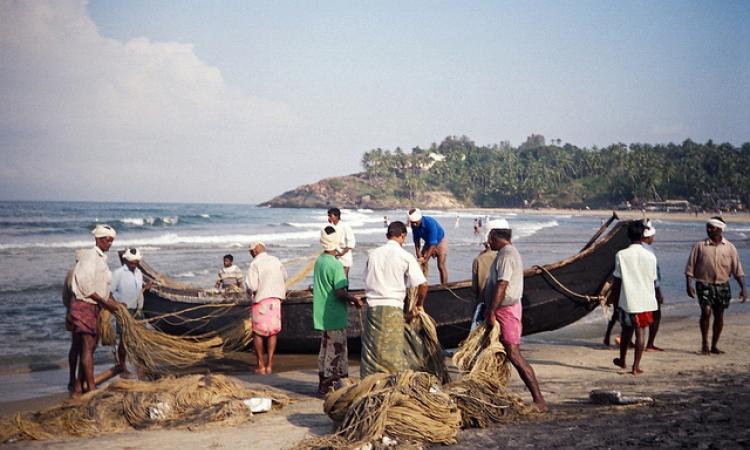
x: 546, y: 303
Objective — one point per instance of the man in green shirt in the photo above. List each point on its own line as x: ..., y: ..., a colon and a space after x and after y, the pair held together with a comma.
x: 330, y: 299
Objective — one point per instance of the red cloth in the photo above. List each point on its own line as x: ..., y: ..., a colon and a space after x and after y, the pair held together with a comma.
x: 644, y: 319
x: 83, y: 317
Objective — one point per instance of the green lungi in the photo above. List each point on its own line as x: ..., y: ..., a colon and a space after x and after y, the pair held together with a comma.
x: 383, y: 341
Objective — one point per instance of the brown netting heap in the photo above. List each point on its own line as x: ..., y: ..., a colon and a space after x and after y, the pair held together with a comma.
x: 189, y: 401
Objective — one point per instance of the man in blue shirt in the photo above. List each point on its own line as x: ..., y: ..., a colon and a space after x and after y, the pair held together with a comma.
x: 127, y: 288
x: 427, y: 229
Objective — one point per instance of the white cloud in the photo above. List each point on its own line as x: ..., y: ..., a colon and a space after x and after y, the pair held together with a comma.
x: 80, y: 112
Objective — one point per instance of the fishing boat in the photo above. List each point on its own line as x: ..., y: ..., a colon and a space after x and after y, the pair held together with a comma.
x: 555, y: 295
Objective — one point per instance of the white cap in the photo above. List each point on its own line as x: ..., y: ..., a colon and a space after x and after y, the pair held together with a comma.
x: 496, y: 224
x: 329, y: 241
x: 416, y: 215
x: 720, y: 224
x: 132, y: 254
x: 650, y: 230
x: 255, y: 244
x: 104, y: 230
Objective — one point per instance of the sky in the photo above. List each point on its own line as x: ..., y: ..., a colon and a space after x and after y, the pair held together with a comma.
x: 238, y: 101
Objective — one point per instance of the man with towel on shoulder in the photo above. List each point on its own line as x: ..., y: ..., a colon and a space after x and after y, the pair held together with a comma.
x: 127, y: 288
x: 427, y: 229
x: 266, y: 285
x: 91, y: 287
x: 330, y: 314
x: 389, y: 271
x: 503, y: 294
x: 711, y: 262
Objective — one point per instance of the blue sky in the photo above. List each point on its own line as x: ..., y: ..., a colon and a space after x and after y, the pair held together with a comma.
x: 238, y: 101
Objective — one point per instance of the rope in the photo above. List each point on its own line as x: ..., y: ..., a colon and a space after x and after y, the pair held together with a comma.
x: 568, y: 292
x: 302, y: 273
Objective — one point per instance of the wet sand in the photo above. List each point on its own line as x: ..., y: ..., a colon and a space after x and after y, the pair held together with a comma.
x: 700, y: 401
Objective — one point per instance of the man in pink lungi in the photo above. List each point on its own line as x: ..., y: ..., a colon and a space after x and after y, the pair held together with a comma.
x: 265, y: 283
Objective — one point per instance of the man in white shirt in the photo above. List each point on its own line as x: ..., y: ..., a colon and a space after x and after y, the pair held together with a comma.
x: 634, y: 293
x: 91, y: 288
x: 266, y: 286
x: 389, y: 271
x: 346, y: 239
x: 127, y: 288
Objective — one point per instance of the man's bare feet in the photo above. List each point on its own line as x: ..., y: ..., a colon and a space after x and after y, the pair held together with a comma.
x: 705, y: 351
x: 716, y: 351
x: 636, y: 371
x: 619, y: 363
x: 540, y: 406
x: 653, y: 348
x: 260, y: 370
x: 269, y: 370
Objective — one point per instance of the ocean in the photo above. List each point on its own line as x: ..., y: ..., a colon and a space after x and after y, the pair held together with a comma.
x: 38, y: 241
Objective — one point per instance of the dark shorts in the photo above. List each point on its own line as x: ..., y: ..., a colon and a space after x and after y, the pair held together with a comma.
x: 83, y: 317
x: 713, y: 295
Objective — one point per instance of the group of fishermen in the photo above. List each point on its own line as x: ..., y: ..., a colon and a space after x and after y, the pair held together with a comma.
x: 390, y: 270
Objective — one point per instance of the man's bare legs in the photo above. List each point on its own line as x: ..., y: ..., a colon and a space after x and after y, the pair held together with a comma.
x: 610, y: 325
x: 441, y: 262
x: 639, y: 346
x: 73, y: 355
x: 652, y: 330
x: 526, y: 372
x: 718, y: 327
x: 704, y: 323
x: 271, y: 347
x: 86, y: 365
x: 625, y: 335
x: 260, y: 354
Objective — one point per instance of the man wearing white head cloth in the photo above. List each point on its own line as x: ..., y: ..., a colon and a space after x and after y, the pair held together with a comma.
x: 330, y: 299
x: 711, y: 262
x: 427, y: 229
x: 91, y: 288
x: 127, y: 288
x: 480, y: 267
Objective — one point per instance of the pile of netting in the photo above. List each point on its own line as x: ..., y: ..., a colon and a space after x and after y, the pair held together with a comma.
x: 159, y: 353
x: 189, y: 401
x: 413, y: 409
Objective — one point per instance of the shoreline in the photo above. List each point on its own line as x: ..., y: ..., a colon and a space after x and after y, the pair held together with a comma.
x: 689, y: 390
x: 739, y: 217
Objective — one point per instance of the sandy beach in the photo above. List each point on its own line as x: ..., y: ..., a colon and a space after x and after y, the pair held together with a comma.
x: 700, y: 401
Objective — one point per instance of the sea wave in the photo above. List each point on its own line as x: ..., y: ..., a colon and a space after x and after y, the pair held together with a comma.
x: 177, y: 239
x: 152, y: 221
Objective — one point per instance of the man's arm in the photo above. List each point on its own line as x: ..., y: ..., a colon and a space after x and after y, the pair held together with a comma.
x: 419, y: 304
x: 344, y: 295
x: 497, y: 300
x: 689, y: 286
x: 743, y: 292
x: 614, y: 296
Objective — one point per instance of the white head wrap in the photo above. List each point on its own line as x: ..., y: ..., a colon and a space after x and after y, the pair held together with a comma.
x: 132, y: 254
x: 104, y: 231
x: 650, y: 230
x: 496, y: 224
x: 255, y: 244
x: 329, y: 241
x: 716, y: 223
x: 415, y: 216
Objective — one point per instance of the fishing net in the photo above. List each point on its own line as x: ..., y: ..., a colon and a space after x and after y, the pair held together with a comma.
x: 106, y: 329
x: 483, y: 353
x: 408, y: 407
x: 189, y: 401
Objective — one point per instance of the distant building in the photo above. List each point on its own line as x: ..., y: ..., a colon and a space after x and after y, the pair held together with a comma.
x: 668, y: 206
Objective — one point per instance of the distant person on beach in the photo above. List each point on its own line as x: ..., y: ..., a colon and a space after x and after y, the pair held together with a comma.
x: 476, y: 226
x: 91, y: 287
x: 711, y: 262
x: 265, y: 283
x: 502, y: 300
x: 127, y: 288
x: 230, y: 276
x: 346, y: 239
x: 389, y: 271
x: 634, y: 294
x: 427, y: 229
x: 385, y: 221
x: 649, y: 236
x: 330, y: 316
